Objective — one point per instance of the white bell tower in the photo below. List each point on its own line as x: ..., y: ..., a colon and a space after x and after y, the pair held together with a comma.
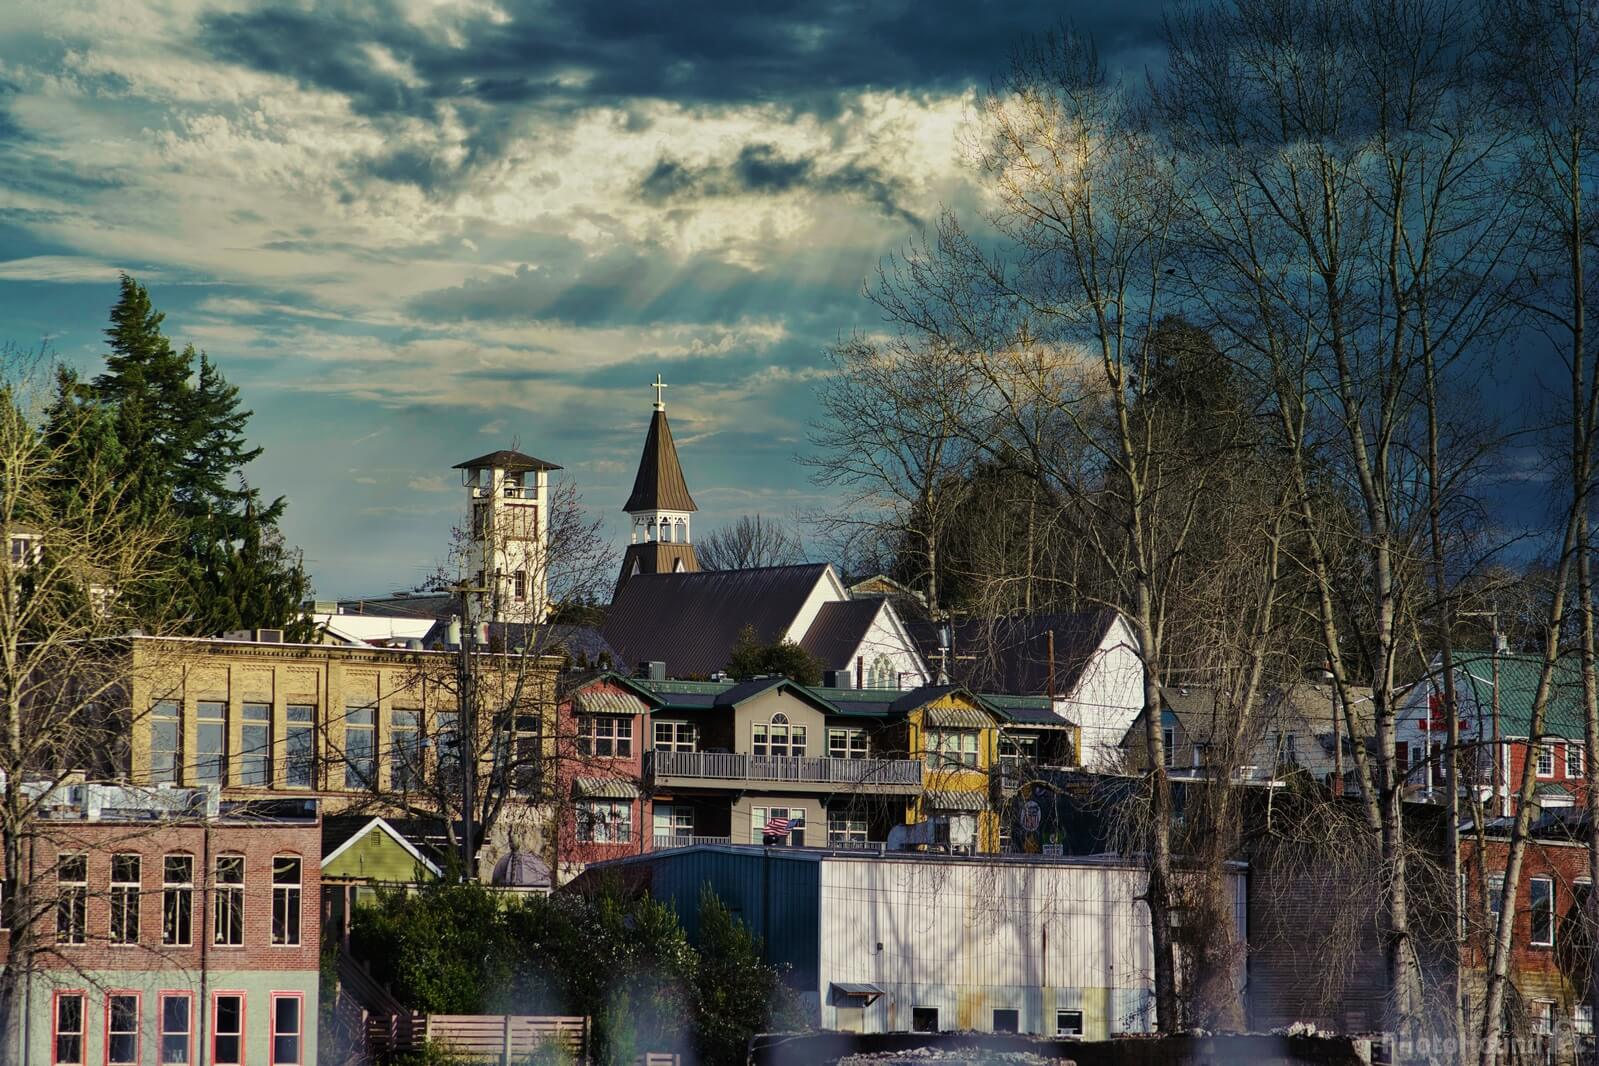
x: 508, y: 550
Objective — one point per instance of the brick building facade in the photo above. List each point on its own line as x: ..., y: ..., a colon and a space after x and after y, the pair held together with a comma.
x: 172, y: 929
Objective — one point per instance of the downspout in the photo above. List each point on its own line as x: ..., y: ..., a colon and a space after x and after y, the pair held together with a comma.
x: 201, y: 1008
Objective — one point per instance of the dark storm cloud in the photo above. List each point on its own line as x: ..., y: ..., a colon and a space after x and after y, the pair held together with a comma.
x: 761, y: 169
x: 572, y: 53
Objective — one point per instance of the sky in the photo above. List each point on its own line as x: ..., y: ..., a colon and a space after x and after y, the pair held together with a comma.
x: 415, y: 231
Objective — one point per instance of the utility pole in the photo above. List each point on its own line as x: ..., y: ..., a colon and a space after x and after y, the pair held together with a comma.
x: 466, y: 695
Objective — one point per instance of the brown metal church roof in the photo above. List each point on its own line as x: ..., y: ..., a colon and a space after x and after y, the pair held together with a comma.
x: 659, y: 485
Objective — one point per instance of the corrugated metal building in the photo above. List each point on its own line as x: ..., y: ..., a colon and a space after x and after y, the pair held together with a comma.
x: 886, y: 942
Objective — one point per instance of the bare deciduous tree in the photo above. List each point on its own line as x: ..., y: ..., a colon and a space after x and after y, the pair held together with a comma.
x: 748, y: 542
x: 70, y: 586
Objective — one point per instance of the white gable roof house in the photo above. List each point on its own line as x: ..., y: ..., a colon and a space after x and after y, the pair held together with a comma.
x: 1087, y: 663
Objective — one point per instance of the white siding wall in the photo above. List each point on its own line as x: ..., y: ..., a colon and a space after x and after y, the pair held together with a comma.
x: 1108, y: 696
x: 827, y: 590
x: 969, y: 938
x: 887, y: 637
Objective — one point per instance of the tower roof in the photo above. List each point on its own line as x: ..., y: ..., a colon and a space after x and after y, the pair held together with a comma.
x: 506, y: 459
x: 659, y: 485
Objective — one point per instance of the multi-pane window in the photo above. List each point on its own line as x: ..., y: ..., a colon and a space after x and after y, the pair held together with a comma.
x: 527, y: 756
x: 674, y: 823
x: 360, y: 746
x: 227, y: 1030
x: 285, y: 900
x: 125, y: 899
x: 122, y: 1029
x: 255, y: 742
x: 845, y: 828
x: 951, y: 748
x: 447, y: 746
x: 299, y: 745
x: 166, y: 731
x: 210, y: 741
x: 677, y: 736
x: 72, y: 899
x: 1018, y: 751
x: 69, y: 1024
x: 1574, y: 759
x: 227, y: 927
x: 1541, y: 911
x: 777, y: 738
x: 405, y: 748
x: 605, y: 736
x: 605, y: 821
x: 177, y: 1028
x: 768, y: 825
x: 1546, y: 760
x: 846, y: 743
x: 519, y: 585
x: 287, y: 1041
x: 1496, y: 888
x: 177, y: 900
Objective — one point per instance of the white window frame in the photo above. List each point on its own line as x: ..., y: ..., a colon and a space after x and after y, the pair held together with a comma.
x: 613, y: 741
x: 228, y: 902
x: 604, y: 821
x: 1062, y: 1029
x: 1575, y: 758
x: 136, y: 1032
x: 124, y: 925
x: 177, y: 897
x: 675, y: 735
x: 1545, y: 755
x: 216, y: 1027
x: 72, y: 900
x: 255, y: 759
x: 846, y: 742
x: 288, y: 900
x: 81, y: 1032
x: 274, y: 1034
x: 846, y: 828
x: 1532, y: 912
x: 953, y: 749
x: 162, y: 1032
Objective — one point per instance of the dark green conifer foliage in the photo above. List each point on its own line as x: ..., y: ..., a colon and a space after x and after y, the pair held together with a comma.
x: 170, y: 427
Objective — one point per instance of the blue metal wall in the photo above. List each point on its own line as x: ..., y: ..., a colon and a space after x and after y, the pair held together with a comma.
x: 776, y: 892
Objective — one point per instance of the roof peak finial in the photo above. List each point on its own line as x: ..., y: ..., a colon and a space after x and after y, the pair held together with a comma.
x: 658, y: 386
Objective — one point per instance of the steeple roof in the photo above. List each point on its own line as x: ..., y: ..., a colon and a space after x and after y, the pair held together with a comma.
x: 659, y: 485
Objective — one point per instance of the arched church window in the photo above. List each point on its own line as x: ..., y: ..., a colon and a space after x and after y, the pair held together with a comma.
x: 883, y: 673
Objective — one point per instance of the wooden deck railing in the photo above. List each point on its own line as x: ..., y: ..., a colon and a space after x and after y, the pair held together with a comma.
x: 739, y: 766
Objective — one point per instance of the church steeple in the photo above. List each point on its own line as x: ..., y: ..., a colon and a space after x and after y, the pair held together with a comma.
x: 660, y: 505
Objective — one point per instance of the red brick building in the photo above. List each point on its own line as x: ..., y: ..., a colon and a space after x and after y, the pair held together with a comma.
x: 170, y: 928
x: 603, y: 812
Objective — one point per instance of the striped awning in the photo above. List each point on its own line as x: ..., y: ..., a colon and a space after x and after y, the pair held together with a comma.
x: 951, y: 800
x: 956, y: 717
x: 601, y: 699
x: 604, y: 788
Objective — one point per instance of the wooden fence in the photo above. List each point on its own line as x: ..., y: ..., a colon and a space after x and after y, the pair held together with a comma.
x: 501, y: 1038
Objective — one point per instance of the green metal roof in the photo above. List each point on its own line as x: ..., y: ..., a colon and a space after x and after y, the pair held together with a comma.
x: 1518, y: 686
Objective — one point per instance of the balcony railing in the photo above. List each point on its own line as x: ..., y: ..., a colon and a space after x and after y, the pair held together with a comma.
x: 784, y: 769
x: 683, y: 840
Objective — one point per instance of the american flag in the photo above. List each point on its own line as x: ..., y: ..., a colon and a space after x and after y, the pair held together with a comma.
x: 776, y: 827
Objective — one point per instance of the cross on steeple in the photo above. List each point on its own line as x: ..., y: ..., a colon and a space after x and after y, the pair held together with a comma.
x: 658, y: 386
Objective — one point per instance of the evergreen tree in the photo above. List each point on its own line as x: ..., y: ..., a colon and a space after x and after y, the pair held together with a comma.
x: 168, y: 425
